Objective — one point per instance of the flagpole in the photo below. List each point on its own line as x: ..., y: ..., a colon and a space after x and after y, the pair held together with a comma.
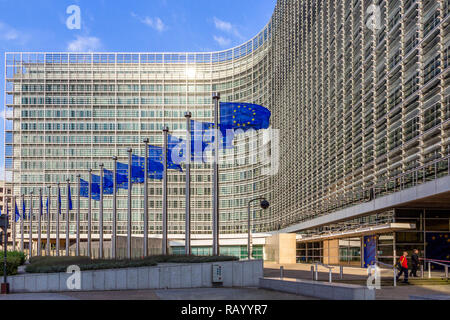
x: 188, y: 250
x: 49, y: 226
x: 100, y: 216
x: 39, y: 251
x: 164, y: 217
x: 216, y: 251
x: 13, y: 204
x: 22, y: 246
x: 30, y: 231
x: 114, y: 226
x: 67, y: 220
x: 129, y: 216
x: 57, y: 221
x: 78, y: 215
x: 146, y: 141
x: 90, y: 215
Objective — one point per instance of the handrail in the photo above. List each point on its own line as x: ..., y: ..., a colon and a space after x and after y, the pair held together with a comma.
x: 393, y: 267
x: 439, y: 264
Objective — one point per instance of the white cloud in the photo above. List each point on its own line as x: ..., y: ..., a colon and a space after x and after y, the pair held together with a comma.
x: 223, y: 42
x: 8, y: 33
x: 155, y: 23
x: 84, y: 44
x: 227, y: 27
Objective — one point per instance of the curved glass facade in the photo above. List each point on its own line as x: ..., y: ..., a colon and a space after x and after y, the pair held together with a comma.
x: 354, y: 103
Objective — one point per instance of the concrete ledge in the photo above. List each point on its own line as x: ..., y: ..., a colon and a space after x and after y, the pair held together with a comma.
x: 321, y: 290
x: 168, y: 276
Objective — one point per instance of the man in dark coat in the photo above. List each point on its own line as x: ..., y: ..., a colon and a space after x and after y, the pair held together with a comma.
x: 415, y: 263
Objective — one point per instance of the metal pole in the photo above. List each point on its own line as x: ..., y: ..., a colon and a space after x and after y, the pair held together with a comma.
x: 5, y: 252
x: 129, y: 216
x: 89, y: 247
x: 67, y: 220
x: 100, y: 216
x: 78, y: 215
x: 188, y: 250
x: 429, y: 270
x: 49, y: 227
x: 341, y: 272
x: 39, y: 242
x: 22, y: 247
x: 114, y: 226
x: 215, y: 222
x: 164, y: 217
x: 249, y: 245
x: 30, y: 231
x: 57, y: 222
x: 146, y: 141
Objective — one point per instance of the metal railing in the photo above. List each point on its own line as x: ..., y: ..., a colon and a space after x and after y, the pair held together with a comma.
x: 389, y: 266
x: 430, y: 262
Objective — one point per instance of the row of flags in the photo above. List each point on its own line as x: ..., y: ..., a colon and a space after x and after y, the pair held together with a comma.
x: 233, y: 117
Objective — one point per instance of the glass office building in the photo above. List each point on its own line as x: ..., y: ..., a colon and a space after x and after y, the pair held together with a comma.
x: 358, y: 92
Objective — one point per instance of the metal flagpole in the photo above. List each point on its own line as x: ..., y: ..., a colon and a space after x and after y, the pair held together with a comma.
x: 90, y: 215
x: 22, y: 246
x: 57, y: 221
x: 216, y: 98
x: 129, y: 217
x: 30, y: 231
x: 13, y: 205
x: 39, y: 242
x: 146, y: 141
x: 188, y: 184
x: 100, y: 216
x: 164, y: 217
x: 49, y: 226
x: 114, y: 226
x: 78, y: 215
x: 67, y: 220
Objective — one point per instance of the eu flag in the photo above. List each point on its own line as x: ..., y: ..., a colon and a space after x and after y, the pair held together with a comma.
x: 121, y: 180
x: 47, y: 205
x: 17, y: 214
x: 41, y: 204
x: 70, y: 198
x: 59, y: 200
x: 156, y: 154
x: 203, y: 132
x: 177, y: 148
x: 244, y: 116
x: 95, y: 188
x: 155, y: 169
x: 24, y: 214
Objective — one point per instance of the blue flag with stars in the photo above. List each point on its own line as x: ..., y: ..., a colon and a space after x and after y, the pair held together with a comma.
x: 17, y: 214
x: 70, y: 198
x: 204, y: 132
x: 59, y: 200
x: 48, y: 209
x: 121, y: 180
x: 155, y: 169
x: 244, y: 116
x: 24, y: 214
x: 156, y: 154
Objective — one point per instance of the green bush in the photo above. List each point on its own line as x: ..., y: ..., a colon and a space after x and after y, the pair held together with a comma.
x: 17, y: 254
x: 60, y: 264
x: 12, y: 263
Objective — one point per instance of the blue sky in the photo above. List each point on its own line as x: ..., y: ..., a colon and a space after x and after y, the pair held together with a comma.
x: 128, y: 26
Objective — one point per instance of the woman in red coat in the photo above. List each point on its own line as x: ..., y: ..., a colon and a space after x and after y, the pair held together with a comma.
x: 403, y: 264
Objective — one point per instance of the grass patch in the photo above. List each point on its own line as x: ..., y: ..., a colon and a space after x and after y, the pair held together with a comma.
x: 60, y: 264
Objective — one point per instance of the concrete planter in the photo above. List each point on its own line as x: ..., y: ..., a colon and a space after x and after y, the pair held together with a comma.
x: 321, y: 290
x: 169, y: 276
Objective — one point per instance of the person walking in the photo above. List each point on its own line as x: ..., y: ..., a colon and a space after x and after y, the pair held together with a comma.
x: 403, y: 266
x: 415, y: 263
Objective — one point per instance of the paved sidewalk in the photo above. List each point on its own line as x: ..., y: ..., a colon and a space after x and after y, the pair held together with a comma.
x: 179, y: 294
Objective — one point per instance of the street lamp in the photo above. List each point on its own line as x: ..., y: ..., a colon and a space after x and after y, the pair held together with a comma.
x: 264, y: 205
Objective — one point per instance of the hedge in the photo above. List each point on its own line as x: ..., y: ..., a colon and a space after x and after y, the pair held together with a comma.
x: 14, y: 259
x: 60, y: 264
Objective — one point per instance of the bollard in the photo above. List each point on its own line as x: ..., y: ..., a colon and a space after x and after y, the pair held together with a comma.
x: 317, y: 272
x: 281, y: 272
x: 446, y: 273
x: 429, y: 270
x: 422, y: 271
x: 342, y: 272
x: 312, y: 273
x: 330, y: 276
x: 395, y: 276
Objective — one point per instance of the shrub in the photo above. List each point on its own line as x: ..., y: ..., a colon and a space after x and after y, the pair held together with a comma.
x: 12, y: 263
x: 60, y: 264
x: 17, y: 254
